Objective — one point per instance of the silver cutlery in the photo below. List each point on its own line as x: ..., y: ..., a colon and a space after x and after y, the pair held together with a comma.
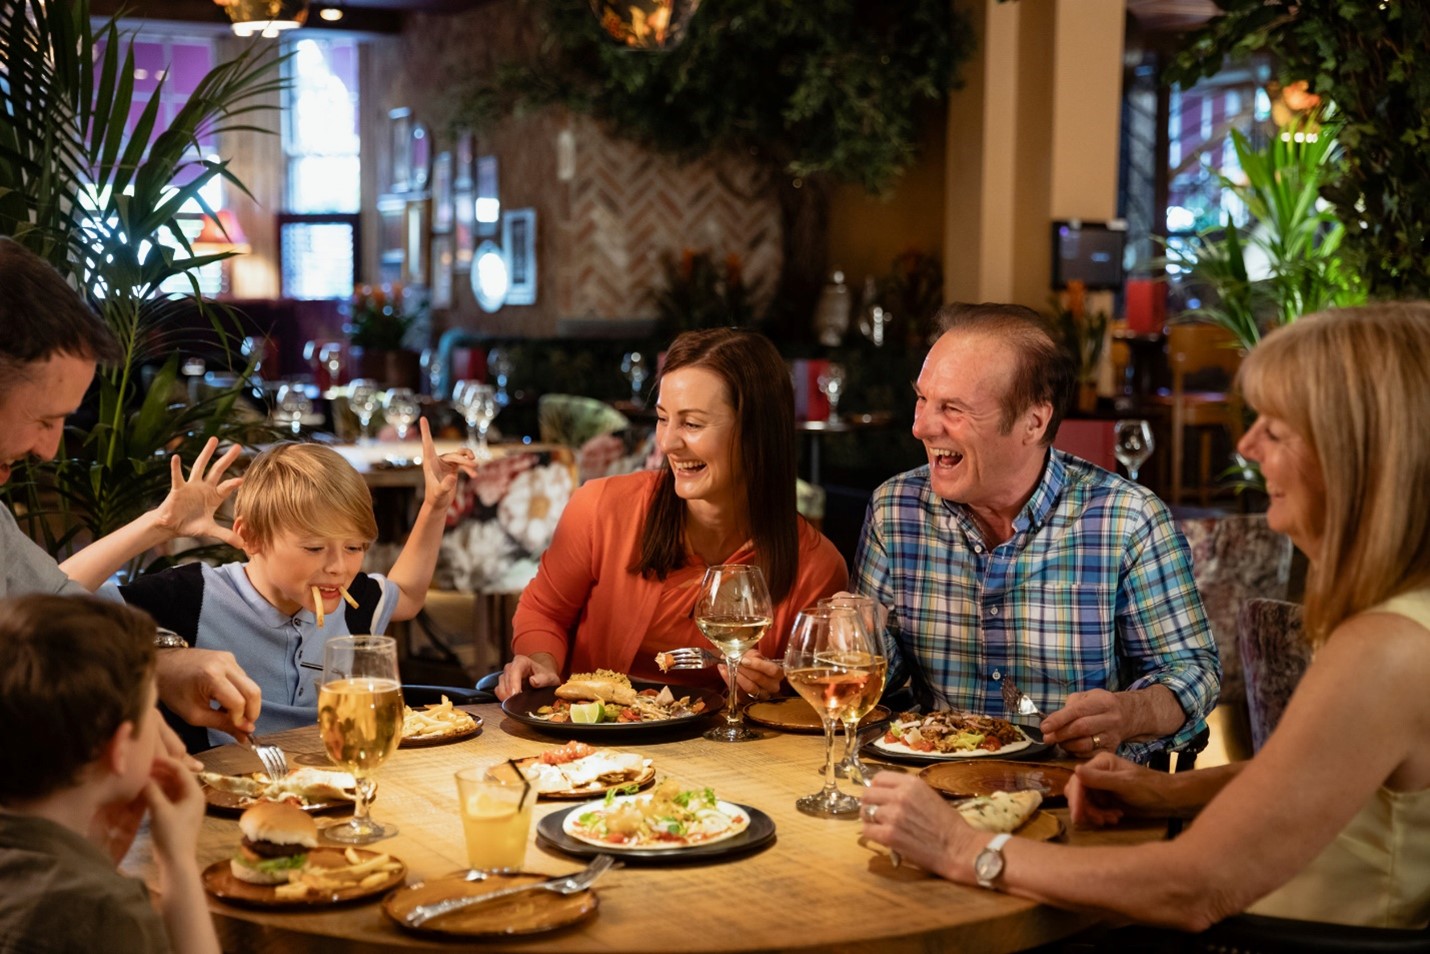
x: 275, y: 762
x: 566, y: 884
x: 689, y: 657
x: 1019, y: 703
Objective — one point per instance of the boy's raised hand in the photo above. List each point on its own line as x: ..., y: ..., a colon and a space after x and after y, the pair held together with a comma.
x: 441, y: 471
x: 189, y: 509
x: 176, y: 811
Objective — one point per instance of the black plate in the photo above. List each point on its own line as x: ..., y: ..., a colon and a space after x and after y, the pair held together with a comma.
x: 761, y: 832
x: 521, y: 706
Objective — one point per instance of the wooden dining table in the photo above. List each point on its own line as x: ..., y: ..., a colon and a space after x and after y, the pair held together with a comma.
x: 817, y: 887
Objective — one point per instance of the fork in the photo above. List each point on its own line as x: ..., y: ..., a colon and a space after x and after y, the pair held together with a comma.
x: 275, y: 762
x: 1019, y: 703
x: 566, y: 884
x: 689, y: 657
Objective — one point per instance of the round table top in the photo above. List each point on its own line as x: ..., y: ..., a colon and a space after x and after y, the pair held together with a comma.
x: 817, y: 887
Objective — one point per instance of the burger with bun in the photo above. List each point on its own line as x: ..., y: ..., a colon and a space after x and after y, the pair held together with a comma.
x: 276, y: 839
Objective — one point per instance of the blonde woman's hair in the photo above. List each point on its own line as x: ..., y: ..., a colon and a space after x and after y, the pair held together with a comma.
x: 305, y: 489
x: 1354, y: 383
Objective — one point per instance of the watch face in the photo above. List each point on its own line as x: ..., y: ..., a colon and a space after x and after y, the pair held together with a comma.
x: 988, y: 865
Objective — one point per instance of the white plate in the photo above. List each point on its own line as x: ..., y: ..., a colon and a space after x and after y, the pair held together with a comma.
x: 740, y: 821
x: 899, y: 748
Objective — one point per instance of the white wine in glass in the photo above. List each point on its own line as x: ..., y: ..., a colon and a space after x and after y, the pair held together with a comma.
x: 733, y: 612
x: 828, y: 661
x: 360, y: 721
x: 1132, y: 443
x: 873, y: 616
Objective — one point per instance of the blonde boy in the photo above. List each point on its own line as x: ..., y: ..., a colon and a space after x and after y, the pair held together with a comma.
x: 82, y: 753
x: 304, y: 517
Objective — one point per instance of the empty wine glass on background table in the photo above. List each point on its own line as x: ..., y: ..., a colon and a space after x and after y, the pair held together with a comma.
x: 634, y: 368
x: 293, y: 404
x: 1132, y: 443
x: 364, y: 397
x: 401, y: 408
x: 831, y: 384
x: 360, y: 722
x: 873, y: 617
x: 331, y: 356
x: 829, y: 661
x: 477, y: 403
x: 499, y: 363
x: 733, y: 612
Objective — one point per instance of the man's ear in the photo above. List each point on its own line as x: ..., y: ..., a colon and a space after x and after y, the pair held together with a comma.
x: 1035, y: 422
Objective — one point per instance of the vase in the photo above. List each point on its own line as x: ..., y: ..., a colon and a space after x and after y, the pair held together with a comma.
x: 394, y: 368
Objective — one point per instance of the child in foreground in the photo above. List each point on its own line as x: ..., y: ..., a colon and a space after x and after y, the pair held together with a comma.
x: 304, y: 517
x: 82, y: 755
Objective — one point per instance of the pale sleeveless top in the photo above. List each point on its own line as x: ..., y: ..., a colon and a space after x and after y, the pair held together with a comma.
x: 1376, y: 873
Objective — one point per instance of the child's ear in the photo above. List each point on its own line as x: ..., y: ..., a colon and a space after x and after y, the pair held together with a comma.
x: 116, y: 753
x: 245, y: 537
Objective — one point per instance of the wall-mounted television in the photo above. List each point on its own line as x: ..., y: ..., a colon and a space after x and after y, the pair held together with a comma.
x: 1088, y: 251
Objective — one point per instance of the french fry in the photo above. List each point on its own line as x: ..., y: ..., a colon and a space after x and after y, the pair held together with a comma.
x: 435, y: 720
x: 348, y: 597
x: 318, y: 605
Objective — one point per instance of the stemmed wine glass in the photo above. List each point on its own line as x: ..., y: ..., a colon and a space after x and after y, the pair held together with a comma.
x: 331, y: 355
x: 478, y: 405
x: 360, y: 721
x: 733, y: 612
x: 873, y: 617
x: 499, y: 363
x: 633, y: 367
x: 1132, y: 443
x: 831, y: 384
x: 364, y: 398
x: 400, y: 407
x: 829, y: 661
x: 294, y: 405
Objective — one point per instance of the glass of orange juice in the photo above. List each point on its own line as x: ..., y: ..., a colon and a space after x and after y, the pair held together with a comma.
x: 496, y: 816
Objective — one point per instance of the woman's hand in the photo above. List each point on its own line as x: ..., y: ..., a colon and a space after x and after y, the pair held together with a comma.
x: 188, y: 510
x: 905, y: 814
x: 1107, y: 787
x: 538, y: 670
x: 758, y: 676
x: 440, y: 472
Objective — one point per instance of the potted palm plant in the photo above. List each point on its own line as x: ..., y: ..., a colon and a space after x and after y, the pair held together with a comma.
x: 97, y: 204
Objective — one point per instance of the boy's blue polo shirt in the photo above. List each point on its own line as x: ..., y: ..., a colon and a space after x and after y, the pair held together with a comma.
x: 268, y: 644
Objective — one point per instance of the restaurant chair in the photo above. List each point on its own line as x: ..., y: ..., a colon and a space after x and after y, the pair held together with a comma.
x: 426, y: 695
x: 1195, y: 353
x: 1274, y: 654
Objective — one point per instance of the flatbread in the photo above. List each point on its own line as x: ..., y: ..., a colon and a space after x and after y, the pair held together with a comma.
x: 593, y: 773
x: 1001, y: 811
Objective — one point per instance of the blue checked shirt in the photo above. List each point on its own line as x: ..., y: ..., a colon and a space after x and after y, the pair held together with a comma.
x: 1093, y: 590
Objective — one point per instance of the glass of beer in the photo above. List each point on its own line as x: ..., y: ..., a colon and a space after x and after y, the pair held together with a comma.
x: 360, y: 721
x: 496, y: 816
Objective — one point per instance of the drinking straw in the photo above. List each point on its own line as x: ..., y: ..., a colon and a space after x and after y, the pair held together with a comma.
x: 525, y: 783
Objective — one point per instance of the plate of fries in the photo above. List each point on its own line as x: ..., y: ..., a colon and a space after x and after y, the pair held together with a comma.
x: 331, y: 876
x: 437, y: 725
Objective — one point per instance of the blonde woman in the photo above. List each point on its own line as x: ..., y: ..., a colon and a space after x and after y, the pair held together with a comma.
x: 1329, y: 821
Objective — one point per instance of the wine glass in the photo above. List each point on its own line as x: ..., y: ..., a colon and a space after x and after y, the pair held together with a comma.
x: 733, y: 612
x: 477, y: 402
x: 364, y: 398
x: 331, y: 355
x: 831, y: 384
x: 293, y: 405
x: 360, y: 721
x: 499, y: 363
x: 829, y: 661
x: 400, y: 407
x: 634, y: 368
x: 873, y: 617
x: 1132, y: 443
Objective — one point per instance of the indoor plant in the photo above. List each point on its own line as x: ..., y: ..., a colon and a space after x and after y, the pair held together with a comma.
x: 380, y: 320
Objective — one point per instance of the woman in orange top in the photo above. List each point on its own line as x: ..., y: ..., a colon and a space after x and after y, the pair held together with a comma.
x: 621, y: 577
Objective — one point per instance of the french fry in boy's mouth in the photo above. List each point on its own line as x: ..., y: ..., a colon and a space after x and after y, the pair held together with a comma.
x: 348, y: 597
x: 318, y: 606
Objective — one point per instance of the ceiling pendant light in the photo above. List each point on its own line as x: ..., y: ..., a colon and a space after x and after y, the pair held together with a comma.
x: 645, y: 24
x: 265, y: 17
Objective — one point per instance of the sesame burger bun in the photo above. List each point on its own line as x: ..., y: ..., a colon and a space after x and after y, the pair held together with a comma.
x: 276, y: 839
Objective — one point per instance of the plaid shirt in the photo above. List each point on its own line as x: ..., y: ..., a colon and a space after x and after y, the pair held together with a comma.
x: 1093, y: 590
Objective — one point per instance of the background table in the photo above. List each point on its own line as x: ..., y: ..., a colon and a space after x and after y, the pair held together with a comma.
x: 817, y: 888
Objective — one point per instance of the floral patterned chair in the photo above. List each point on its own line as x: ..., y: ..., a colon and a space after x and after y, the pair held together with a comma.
x: 1273, y: 655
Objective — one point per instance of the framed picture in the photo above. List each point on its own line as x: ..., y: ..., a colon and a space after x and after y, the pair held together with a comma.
x: 399, y: 145
x: 519, y: 241
x: 414, y: 267
x: 488, y: 198
x: 442, y: 262
x: 464, y: 226
x: 419, y: 157
x: 442, y: 193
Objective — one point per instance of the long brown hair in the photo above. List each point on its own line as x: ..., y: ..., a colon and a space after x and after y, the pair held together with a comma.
x: 760, y: 390
x: 1355, y: 385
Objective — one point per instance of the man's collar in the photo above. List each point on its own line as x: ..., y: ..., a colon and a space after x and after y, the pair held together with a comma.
x: 1050, y: 487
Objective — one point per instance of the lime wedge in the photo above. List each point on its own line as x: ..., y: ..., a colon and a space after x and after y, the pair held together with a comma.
x: 588, y: 712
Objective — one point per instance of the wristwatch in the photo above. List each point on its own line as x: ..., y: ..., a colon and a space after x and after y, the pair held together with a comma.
x: 168, y: 639
x: 989, y: 863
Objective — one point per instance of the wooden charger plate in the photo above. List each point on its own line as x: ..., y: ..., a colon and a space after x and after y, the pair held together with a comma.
x: 219, y: 881
x: 1043, y: 826
x: 466, y: 732
x: 531, y: 912
x: 986, y: 776
x: 222, y: 802
x: 793, y: 714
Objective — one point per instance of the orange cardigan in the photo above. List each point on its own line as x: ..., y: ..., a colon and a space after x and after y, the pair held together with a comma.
x: 588, y: 610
